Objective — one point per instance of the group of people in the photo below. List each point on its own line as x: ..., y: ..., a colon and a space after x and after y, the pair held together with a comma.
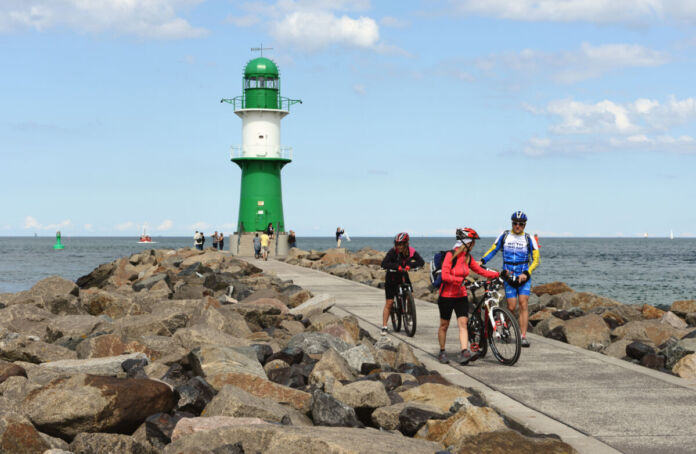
x: 218, y: 240
x: 520, y: 254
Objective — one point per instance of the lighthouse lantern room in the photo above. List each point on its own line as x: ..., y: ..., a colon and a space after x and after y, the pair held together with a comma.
x: 261, y: 156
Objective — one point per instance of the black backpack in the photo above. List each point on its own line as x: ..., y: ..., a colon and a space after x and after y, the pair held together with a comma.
x: 436, y: 268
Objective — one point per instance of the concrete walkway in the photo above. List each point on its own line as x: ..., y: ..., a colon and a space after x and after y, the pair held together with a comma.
x: 595, y: 403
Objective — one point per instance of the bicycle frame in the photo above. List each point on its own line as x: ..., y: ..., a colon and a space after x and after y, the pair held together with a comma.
x: 489, y: 297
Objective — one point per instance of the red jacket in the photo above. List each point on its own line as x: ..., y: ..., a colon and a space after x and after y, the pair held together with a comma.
x: 452, y: 277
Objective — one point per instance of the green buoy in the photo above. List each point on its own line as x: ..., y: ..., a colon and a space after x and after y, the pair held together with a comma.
x: 58, y: 245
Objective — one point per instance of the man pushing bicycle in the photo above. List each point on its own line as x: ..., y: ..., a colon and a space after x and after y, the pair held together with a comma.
x: 402, y: 257
x: 519, y: 248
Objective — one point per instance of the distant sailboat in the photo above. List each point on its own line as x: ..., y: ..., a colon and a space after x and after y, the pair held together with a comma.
x: 671, y: 235
x: 646, y: 235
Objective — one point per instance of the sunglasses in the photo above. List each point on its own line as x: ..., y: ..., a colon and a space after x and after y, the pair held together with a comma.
x: 519, y: 223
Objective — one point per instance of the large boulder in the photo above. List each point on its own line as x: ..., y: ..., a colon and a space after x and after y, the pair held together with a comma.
x: 387, y: 417
x: 587, y: 330
x: 234, y: 401
x: 588, y: 301
x: 651, y: 312
x: 203, y: 335
x: 505, y: 441
x: 302, y: 440
x: 187, y: 426
x: 552, y: 288
x: 91, y: 403
x: 16, y: 347
x: 363, y: 394
x: 686, y: 367
x: 329, y: 411
x: 116, y: 305
x: 646, y: 330
x: 358, y: 355
x: 331, y: 366
x: 315, y: 305
x: 75, y: 327
x: 48, y: 293
x: 110, y: 365
x: 683, y: 307
x: 106, y: 443
x: 18, y: 435
x: 436, y: 395
x: 8, y: 370
x: 26, y: 319
x: 161, y: 323
x: 261, y: 387
x: 113, y: 345
x: 313, y: 343
x: 673, y: 320
x: 218, y: 364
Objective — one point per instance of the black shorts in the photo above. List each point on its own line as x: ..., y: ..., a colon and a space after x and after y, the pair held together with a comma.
x: 391, y: 290
x: 460, y: 306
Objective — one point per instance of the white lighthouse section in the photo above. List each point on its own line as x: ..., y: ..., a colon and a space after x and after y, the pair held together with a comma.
x: 261, y: 133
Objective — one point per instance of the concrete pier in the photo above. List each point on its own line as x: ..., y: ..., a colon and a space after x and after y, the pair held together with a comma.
x: 596, y: 403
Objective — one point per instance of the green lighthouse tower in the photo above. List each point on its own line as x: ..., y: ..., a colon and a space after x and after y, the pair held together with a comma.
x: 261, y: 157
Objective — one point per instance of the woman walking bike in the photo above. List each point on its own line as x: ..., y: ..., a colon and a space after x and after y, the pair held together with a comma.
x: 397, y: 262
x: 453, y: 296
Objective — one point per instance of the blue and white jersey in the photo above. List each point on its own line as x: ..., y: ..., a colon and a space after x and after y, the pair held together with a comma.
x: 518, y: 251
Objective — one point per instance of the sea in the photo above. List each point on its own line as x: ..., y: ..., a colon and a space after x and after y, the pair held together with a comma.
x: 656, y: 271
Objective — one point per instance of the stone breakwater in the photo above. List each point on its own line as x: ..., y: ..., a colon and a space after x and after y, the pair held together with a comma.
x: 658, y: 338
x: 197, y: 352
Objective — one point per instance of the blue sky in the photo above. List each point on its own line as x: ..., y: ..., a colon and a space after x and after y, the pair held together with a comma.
x: 417, y: 115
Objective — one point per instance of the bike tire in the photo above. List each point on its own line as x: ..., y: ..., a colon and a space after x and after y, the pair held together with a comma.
x: 396, y: 314
x: 478, y: 344
x: 409, y: 315
x: 506, y: 341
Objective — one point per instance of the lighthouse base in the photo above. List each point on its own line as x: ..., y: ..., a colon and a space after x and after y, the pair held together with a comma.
x: 242, y: 245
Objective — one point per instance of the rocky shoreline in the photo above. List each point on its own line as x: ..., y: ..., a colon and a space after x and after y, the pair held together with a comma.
x: 659, y: 338
x: 192, y: 351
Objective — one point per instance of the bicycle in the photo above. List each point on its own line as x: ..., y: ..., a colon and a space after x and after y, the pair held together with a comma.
x: 494, y: 325
x: 404, y: 307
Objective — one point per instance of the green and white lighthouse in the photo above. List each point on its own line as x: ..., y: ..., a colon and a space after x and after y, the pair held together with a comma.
x: 261, y: 156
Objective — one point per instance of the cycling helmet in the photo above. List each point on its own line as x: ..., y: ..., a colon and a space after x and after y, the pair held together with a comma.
x: 401, y: 238
x: 519, y: 216
x: 467, y: 233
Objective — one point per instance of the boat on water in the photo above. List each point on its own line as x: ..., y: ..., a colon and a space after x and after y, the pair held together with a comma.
x: 671, y: 235
x: 145, y: 238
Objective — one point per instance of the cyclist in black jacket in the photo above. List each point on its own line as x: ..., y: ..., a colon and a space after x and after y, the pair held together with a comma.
x: 401, y: 257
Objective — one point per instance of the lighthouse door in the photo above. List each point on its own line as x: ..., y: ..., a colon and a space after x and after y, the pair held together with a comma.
x: 260, y: 220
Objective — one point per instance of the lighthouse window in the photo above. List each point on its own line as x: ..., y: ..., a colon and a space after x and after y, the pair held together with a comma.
x: 260, y: 136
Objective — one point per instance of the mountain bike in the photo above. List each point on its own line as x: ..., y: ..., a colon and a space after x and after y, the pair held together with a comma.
x: 492, y: 325
x: 404, y: 307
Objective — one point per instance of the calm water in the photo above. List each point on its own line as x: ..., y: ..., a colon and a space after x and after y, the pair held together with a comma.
x: 636, y: 271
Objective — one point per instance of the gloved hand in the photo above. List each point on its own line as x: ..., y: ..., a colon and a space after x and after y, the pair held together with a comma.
x: 504, y: 274
x: 408, y: 268
x: 399, y: 268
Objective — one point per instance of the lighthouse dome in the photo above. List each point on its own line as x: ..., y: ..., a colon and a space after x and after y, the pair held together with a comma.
x: 261, y: 67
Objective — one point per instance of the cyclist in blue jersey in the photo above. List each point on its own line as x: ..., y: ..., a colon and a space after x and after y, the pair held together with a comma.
x: 519, y: 249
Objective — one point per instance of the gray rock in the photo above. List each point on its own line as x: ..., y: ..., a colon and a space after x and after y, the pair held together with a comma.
x: 357, y: 356
x: 106, y: 443
x: 273, y: 438
x: 331, y: 366
x: 233, y: 401
x: 110, y: 365
x: 363, y: 394
x: 411, y: 419
x: 215, y: 363
x: 75, y: 327
x: 90, y: 403
x: 16, y: 347
x: 673, y: 320
x: 194, y: 395
x: 148, y: 283
x: 328, y: 411
x: 387, y: 417
x: 312, y: 343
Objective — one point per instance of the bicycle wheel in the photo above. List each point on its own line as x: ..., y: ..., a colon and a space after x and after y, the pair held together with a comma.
x: 396, y: 314
x: 478, y: 344
x: 506, y: 343
x: 409, y: 315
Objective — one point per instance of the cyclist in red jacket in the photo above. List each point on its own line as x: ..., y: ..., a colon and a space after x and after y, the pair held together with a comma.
x: 400, y: 257
x: 455, y: 269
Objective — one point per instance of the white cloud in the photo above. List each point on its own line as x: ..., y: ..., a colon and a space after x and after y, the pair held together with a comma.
x: 595, y: 11
x: 32, y: 223
x: 573, y: 66
x: 243, y: 21
x: 604, y: 126
x: 167, y: 224
x: 144, y: 18
x: 315, y: 30
x: 126, y: 226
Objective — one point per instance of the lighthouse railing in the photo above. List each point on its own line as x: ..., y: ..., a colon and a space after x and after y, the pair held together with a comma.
x: 239, y: 103
x: 260, y: 151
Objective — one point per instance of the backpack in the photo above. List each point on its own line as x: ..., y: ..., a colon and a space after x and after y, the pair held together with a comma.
x: 436, y: 268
